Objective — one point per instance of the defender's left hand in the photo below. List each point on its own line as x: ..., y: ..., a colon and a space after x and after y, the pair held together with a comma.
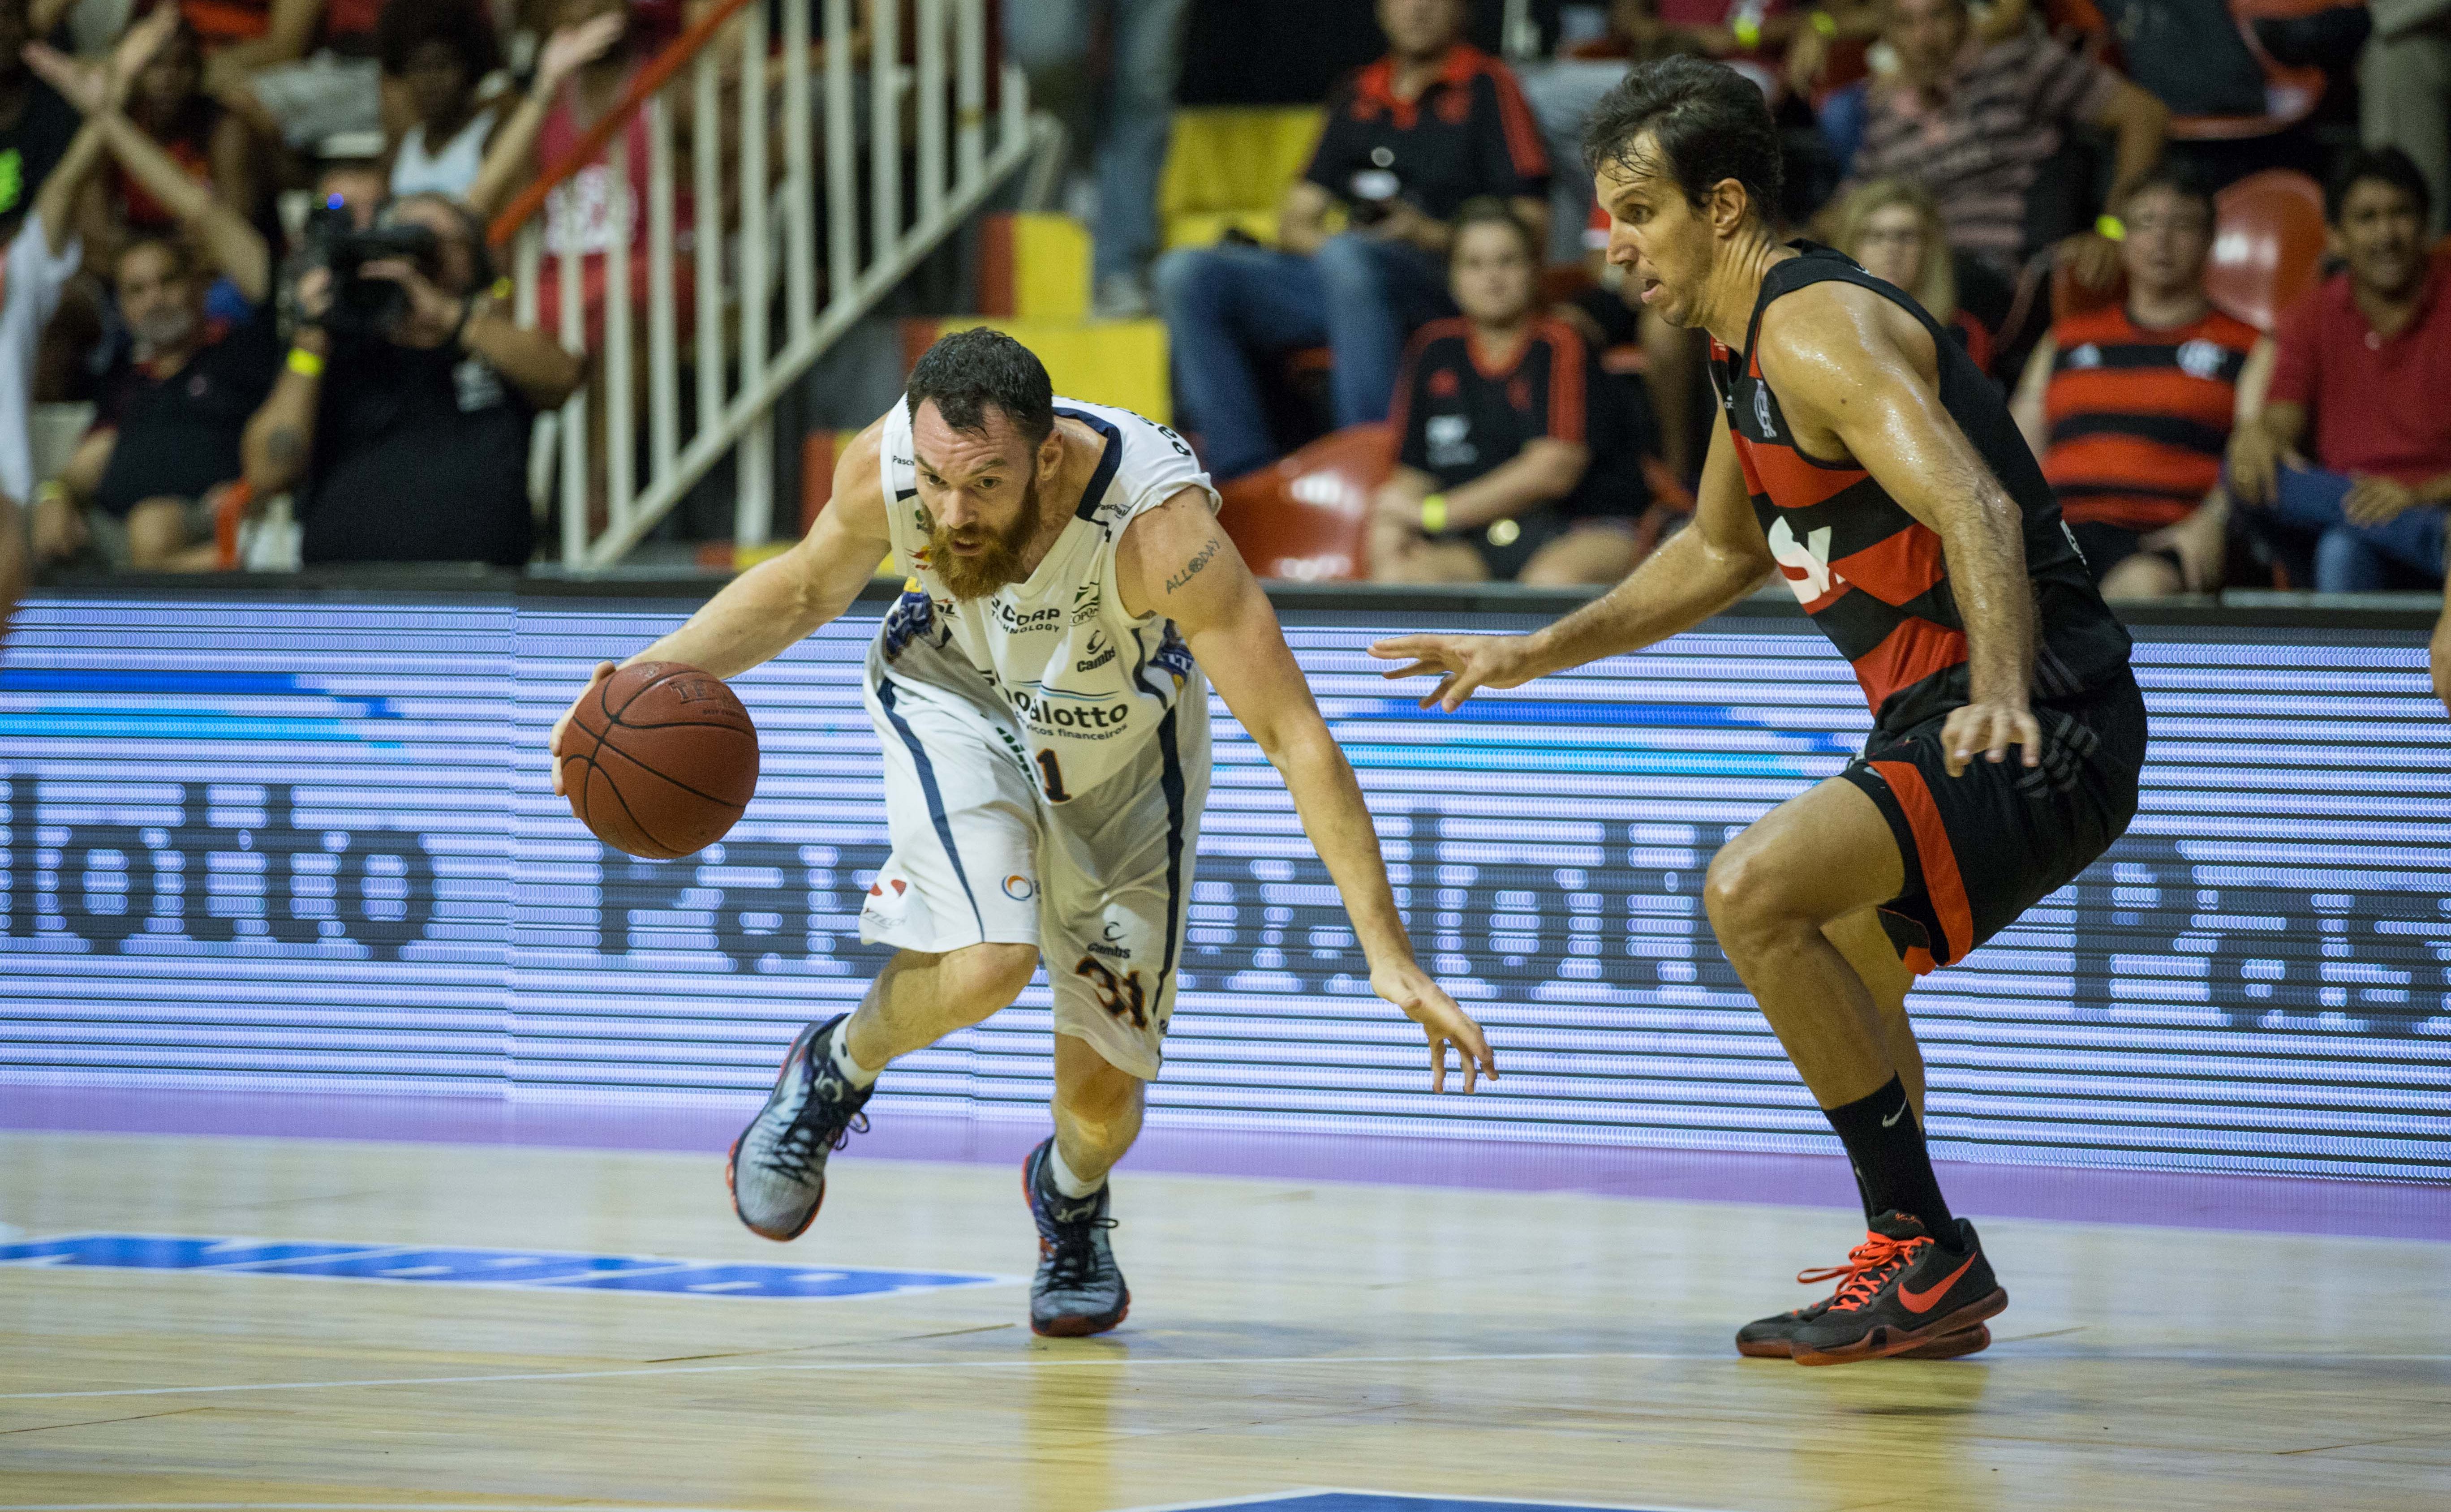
x: 1991, y: 728
x: 1427, y: 1004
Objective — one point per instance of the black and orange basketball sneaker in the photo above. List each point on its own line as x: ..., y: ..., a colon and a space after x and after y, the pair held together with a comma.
x: 1904, y: 1292
x: 1774, y: 1338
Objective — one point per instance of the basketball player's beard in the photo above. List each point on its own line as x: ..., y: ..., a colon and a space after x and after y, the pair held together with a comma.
x: 997, y: 564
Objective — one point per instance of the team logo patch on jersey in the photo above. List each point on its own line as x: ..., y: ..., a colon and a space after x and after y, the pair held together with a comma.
x: 1173, y: 655
x: 889, y: 898
x: 1450, y: 442
x: 1019, y: 887
x: 2198, y: 358
x: 912, y: 617
x: 2087, y: 356
x: 1086, y: 601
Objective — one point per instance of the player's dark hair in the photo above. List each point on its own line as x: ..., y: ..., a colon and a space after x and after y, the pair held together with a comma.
x: 1488, y: 209
x: 2387, y: 164
x: 405, y: 26
x: 967, y: 371
x: 1710, y: 122
x: 2175, y: 175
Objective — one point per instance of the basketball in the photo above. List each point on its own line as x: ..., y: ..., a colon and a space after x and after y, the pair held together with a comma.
x: 660, y: 759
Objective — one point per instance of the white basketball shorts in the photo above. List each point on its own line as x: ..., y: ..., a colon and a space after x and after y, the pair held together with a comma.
x: 1100, y: 883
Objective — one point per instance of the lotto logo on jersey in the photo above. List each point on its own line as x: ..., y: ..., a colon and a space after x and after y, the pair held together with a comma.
x: 1072, y: 718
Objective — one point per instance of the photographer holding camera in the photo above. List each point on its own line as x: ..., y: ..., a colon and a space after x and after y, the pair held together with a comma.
x: 403, y: 412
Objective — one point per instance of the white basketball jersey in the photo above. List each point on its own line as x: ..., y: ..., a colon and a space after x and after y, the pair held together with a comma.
x: 1087, y: 685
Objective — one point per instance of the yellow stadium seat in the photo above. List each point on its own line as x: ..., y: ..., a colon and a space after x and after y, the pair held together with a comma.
x: 1230, y: 165
x: 1119, y: 362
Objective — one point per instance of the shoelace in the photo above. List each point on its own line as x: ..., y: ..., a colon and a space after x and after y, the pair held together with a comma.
x: 1868, y: 1266
x: 1073, y: 1257
x: 796, y: 1153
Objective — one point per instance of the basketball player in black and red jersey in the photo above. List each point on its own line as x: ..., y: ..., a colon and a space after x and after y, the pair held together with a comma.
x: 1868, y: 463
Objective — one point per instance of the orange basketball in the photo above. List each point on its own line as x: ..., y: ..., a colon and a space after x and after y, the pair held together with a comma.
x: 660, y: 760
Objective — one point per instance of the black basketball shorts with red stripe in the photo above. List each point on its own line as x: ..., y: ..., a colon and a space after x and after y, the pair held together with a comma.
x: 1982, y: 848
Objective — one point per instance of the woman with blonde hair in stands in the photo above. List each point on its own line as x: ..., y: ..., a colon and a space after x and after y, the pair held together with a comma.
x: 1892, y: 229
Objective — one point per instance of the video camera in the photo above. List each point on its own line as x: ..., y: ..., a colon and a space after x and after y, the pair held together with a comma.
x: 364, y: 306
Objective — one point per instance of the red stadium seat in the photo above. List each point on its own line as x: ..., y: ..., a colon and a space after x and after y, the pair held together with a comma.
x: 1308, y: 516
x: 2268, y: 249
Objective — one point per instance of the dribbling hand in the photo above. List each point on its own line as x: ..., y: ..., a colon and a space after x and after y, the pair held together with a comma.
x: 553, y: 746
x: 1427, y: 1004
x: 1991, y: 728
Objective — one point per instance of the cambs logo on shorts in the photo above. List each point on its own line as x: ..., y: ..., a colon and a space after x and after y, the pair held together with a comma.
x: 1019, y: 887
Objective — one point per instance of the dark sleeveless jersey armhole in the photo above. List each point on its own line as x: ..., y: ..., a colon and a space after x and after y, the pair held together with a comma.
x: 1872, y: 577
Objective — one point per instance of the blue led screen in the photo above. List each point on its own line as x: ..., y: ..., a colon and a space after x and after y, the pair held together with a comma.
x: 313, y: 845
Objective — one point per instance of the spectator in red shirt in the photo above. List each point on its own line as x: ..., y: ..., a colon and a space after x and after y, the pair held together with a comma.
x: 1408, y: 140
x: 2350, y: 460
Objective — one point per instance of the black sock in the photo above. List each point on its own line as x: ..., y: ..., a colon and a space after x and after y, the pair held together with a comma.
x: 1884, y: 1143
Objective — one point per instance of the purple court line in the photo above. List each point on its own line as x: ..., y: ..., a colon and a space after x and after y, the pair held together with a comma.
x: 2174, y: 1199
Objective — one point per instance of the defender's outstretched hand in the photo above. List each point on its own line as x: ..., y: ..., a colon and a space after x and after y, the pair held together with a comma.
x: 553, y: 746
x: 1427, y: 1004
x: 1463, y: 665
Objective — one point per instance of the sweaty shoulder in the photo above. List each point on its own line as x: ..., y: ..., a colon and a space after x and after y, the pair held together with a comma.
x: 1819, y: 344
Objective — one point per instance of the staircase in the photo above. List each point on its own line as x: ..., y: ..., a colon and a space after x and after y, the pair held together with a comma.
x: 799, y: 157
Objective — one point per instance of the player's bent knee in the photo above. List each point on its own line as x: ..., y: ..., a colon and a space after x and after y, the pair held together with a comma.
x: 1744, y: 896
x: 993, y: 974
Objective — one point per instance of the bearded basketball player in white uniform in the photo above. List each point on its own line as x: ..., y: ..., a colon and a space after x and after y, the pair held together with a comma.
x: 1038, y: 692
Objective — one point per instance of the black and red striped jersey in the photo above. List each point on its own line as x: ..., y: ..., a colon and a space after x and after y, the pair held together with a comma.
x: 1871, y: 576
x: 2141, y: 417
x: 1457, y: 414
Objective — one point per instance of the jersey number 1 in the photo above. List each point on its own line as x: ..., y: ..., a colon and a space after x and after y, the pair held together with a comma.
x: 1053, y: 775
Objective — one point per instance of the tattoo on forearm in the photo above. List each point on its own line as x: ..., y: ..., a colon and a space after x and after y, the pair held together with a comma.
x: 1192, y: 568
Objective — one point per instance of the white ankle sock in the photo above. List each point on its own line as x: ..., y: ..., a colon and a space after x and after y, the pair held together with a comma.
x: 853, y: 1071
x: 1069, y: 1185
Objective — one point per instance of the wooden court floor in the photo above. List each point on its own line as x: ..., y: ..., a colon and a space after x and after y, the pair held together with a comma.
x: 1285, y: 1335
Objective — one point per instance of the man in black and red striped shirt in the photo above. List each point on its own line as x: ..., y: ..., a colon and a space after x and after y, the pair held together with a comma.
x: 1408, y: 140
x: 1868, y: 462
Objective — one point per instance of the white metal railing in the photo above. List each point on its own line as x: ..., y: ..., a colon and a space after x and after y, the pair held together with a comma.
x: 748, y: 346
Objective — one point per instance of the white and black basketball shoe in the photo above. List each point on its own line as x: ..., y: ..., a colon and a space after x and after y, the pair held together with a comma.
x: 777, y: 1170
x: 1078, y: 1289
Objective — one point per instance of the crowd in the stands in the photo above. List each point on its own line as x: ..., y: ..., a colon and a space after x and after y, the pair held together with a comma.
x: 250, y: 235
x: 2046, y: 178
x: 246, y: 256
